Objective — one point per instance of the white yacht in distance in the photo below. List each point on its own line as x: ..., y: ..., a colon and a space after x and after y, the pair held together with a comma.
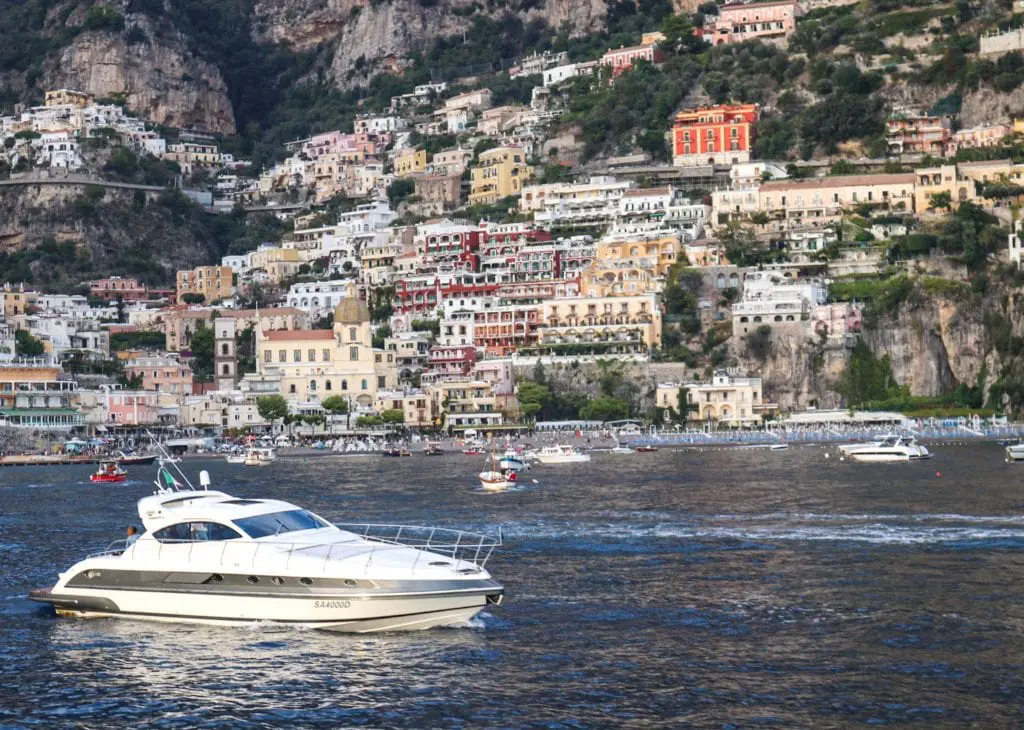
x: 876, y: 441
x: 208, y: 557
x: 1015, y: 452
x: 892, y: 448
x: 561, y: 454
x: 257, y: 456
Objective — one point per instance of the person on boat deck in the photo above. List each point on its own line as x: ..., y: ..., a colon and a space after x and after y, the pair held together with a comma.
x: 133, y: 535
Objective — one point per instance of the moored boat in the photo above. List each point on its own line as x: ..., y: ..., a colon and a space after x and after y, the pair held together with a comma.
x: 260, y: 456
x: 562, y: 454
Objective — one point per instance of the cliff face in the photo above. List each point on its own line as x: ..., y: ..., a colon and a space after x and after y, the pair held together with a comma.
x: 363, y: 35
x: 798, y: 373
x: 60, y: 235
x: 160, y: 79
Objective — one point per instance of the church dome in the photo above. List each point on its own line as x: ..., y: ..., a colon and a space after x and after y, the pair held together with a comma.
x: 351, y: 310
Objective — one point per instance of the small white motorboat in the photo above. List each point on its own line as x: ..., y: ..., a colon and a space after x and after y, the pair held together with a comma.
x: 562, y: 454
x: 235, y: 458
x: 261, y: 456
x: 511, y: 460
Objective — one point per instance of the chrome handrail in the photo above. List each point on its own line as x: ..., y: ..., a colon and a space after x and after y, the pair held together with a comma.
x: 462, y: 546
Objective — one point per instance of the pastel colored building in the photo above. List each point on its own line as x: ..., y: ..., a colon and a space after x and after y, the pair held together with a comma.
x: 410, y: 162
x: 212, y: 283
x: 919, y: 134
x: 161, y: 374
x: 737, y: 22
x: 620, y: 60
x: 711, y: 135
x: 500, y: 173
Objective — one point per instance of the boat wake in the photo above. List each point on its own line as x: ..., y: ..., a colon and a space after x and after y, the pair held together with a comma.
x: 882, y: 529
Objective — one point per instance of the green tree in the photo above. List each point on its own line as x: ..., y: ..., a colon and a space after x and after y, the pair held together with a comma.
x: 679, y: 36
x: 759, y: 343
x: 605, y: 408
x: 335, y: 404
x: 27, y: 345
x: 272, y: 407
x: 393, y: 416
x: 941, y: 201
x: 533, y: 398
x: 202, y: 348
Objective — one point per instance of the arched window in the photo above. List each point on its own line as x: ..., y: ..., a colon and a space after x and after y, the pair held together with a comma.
x: 291, y: 388
x: 344, y: 385
x: 327, y: 385
x: 312, y: 385
x: 362, y: 385
x: 224, y: 349
x: 226, y: 370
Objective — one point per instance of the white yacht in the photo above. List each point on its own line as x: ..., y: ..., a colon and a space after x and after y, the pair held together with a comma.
x: 561, y: 454
x: 1015, y: 452
x: 893, y: 448
x: 208, y: 557
x: 876, y: 441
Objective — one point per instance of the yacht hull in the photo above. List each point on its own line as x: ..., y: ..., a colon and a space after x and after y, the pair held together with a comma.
x: 354, y: 613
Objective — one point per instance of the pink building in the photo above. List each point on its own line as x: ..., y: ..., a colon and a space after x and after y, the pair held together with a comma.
x: 622, y: 59
x: 452, y: 360
x: 988, y: 135
x: 161, y: 374
x: 337, y: 143
x: 132, y: 407
x: 738, y: 23
x: 115, y: 287
x: 837, y: 320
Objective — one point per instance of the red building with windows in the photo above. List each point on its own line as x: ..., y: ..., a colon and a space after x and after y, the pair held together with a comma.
x: 500, y: 331
x: 722, y: 135
x: 451, y: 360
x: 622, y: 59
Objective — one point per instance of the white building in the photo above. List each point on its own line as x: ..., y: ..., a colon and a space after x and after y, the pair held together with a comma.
x: 318, y: 297
x: 772, y: 299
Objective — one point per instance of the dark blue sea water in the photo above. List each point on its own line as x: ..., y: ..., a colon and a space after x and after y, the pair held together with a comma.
x: 716, y: 589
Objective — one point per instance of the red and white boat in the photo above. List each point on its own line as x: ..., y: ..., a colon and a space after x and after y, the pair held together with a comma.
x: 109, y: 471
x: 646, y: 449
x: 495, y: 480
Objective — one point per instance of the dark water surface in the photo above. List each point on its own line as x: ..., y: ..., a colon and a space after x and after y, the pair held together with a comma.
x: 739, y: 588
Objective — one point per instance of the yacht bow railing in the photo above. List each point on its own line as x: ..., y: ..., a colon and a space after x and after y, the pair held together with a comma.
x: 460, y: 545
x: 468, y: 551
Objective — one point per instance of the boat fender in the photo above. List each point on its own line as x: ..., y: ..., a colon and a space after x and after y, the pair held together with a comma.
x: 204, y: 479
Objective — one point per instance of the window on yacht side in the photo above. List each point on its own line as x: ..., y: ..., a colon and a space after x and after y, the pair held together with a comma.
x: 196, y: 532
x: 278, y: 523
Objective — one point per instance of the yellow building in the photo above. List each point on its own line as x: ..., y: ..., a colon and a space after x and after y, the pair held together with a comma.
x: 962, y: 181
x: 67, y: 97
x: 415, y: 405
x: 188, y: 155
x: 213, y: 283
x: 315, y: 364
x: 630, y: 266
x: 16, y: 299
x: 618, y: 325
x: 410, y: 162
x: 726, y: 400
x: 499, y: 173
x: 458, y: 404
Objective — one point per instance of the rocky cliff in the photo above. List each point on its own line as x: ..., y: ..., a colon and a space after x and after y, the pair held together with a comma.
x: 159, y: 80
x: 56, y: 236
x: 361, y: 35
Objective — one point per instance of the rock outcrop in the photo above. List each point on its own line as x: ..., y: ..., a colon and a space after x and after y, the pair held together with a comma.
x: 364, y: 35
x: 160, y: 80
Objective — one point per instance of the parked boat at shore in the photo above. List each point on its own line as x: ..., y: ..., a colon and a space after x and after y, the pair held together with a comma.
x: 497, y: 479
x: 260, y: 456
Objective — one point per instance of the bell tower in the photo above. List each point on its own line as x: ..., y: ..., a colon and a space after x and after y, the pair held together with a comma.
x: 225, y: 357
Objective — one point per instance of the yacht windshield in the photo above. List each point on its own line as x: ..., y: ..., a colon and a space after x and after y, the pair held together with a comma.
x: 278, y: 523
